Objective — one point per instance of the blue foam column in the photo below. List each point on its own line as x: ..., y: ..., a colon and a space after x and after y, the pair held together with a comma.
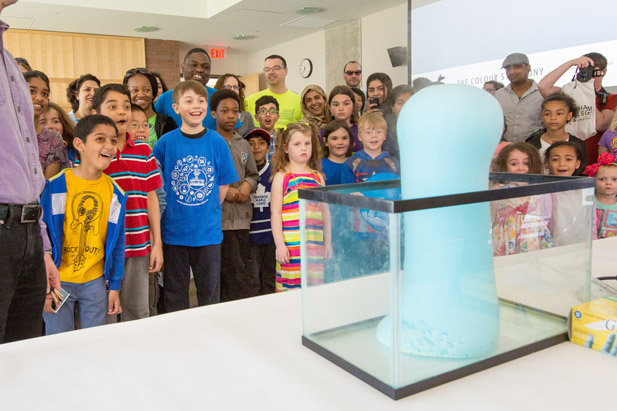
x: 449, y: 308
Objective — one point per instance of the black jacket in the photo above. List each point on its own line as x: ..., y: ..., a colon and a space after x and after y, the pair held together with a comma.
x: 163, y: 124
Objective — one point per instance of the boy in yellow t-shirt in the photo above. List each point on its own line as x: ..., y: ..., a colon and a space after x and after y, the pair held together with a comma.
x: 84, y: 211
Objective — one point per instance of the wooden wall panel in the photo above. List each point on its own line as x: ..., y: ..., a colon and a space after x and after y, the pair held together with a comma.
x: 49, y: 52
x: 108, y: 58
x: 58, y: 94
x: 254, y: 82
x: 65, y: 56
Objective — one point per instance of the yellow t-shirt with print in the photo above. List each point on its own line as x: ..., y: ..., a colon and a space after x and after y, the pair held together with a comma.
x: 85, y: 228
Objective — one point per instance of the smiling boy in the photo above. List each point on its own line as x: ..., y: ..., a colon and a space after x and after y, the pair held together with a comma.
x: 197, y: 67
x: 134, y: 169
x: 237, y: 280
x: 197, y: 169
x: 371, y: 160
x: 84, y: 212
x: 372, y: 130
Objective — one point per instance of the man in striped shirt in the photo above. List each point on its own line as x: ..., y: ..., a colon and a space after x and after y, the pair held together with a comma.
x: 134, y: 169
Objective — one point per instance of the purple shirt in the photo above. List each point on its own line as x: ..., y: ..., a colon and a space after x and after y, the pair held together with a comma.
x: 609, y: 141
x: 21, y: 177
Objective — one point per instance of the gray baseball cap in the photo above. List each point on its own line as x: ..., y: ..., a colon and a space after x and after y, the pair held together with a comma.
x: 515, y: 58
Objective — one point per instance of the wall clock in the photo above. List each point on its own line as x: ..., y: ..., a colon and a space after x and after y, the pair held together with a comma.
x: 306, y: 68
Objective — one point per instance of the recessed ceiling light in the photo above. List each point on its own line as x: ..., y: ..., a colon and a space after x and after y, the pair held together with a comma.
x: 243, y: 37
x: 309, y: 10
x: 146, y: 29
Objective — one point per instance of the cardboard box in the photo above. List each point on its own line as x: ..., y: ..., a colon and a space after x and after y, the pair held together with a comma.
x: 594, y: 325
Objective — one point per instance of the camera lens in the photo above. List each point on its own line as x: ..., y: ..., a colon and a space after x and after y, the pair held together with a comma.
x: 585, y: 74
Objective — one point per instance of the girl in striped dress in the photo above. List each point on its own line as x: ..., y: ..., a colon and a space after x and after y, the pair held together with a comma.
x: 297, y: 159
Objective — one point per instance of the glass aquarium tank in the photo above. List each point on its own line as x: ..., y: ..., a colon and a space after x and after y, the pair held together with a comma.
x: 416, y: 293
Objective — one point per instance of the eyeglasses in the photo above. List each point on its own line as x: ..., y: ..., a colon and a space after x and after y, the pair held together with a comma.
x: 352, y: 72
x: 230, y: 87
x: 275, y: 68
x: 272, y: 111
x: 139, y: 70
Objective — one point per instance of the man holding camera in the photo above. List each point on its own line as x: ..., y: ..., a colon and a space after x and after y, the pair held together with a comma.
x: 591, y: 65
x: 520, y: 100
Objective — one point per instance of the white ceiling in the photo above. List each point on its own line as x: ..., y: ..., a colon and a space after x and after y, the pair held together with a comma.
x: 196, y: 22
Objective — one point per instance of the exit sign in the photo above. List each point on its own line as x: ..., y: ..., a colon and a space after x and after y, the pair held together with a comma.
x: 217, y: 53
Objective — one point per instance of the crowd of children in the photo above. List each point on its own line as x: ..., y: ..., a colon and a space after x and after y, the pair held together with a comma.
x: 130, y: 187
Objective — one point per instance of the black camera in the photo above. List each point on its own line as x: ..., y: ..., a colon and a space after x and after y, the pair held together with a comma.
x: 587, y: 73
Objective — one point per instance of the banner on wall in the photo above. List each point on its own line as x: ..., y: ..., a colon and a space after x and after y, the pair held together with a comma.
x: 541, y: 64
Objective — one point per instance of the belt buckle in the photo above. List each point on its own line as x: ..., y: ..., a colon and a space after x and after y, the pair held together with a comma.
x: 30, y: 213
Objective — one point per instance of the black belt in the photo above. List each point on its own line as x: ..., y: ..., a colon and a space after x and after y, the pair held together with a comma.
x: 23, y: 213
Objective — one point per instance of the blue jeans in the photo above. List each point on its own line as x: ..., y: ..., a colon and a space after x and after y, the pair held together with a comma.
x: 92, y: 297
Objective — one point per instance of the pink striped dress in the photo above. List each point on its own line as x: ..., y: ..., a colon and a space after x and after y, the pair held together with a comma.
x: 288, y: 275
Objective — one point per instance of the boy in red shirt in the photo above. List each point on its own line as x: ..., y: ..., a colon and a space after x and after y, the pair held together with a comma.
x: 134, y: 169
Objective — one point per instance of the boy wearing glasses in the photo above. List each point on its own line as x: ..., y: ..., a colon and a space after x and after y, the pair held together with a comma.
x: 290, y: 110
x: 267, y: 114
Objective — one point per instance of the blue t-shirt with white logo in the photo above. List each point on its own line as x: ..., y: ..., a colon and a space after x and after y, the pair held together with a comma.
x: 193, y: 169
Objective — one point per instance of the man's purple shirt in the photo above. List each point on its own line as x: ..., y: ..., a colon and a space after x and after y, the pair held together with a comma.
x: 21, y: 177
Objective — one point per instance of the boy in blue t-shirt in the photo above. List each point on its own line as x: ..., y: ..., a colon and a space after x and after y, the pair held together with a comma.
x: 263, y: 250
x: 197, y: 169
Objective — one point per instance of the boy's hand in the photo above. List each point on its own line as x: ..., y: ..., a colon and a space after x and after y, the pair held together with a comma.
x: 244, y: 191
x: 231, y: 195
x: 47, y: 307
x: 156, y: 258
x: 114, y: 303
x: 282, y: 255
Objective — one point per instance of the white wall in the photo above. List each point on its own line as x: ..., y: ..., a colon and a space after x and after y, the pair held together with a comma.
x: 381, y: 31
x: 312, y: 46
x: 452, y: 33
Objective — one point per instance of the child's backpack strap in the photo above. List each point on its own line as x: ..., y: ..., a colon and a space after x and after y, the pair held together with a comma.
x: 355, y: 164
x: 389, y: 161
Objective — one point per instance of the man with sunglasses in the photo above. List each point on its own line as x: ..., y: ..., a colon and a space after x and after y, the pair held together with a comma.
x: 352, y: 73
x: 606, y: 103
x: 290, y: 110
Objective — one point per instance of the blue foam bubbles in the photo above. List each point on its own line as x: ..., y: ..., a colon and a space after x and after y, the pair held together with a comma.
x: 447, y: 136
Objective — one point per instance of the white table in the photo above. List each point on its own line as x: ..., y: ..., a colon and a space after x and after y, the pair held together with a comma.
x: 248, y: 355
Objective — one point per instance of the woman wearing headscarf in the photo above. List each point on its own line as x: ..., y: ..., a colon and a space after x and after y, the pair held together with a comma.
x: 314, y: 106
